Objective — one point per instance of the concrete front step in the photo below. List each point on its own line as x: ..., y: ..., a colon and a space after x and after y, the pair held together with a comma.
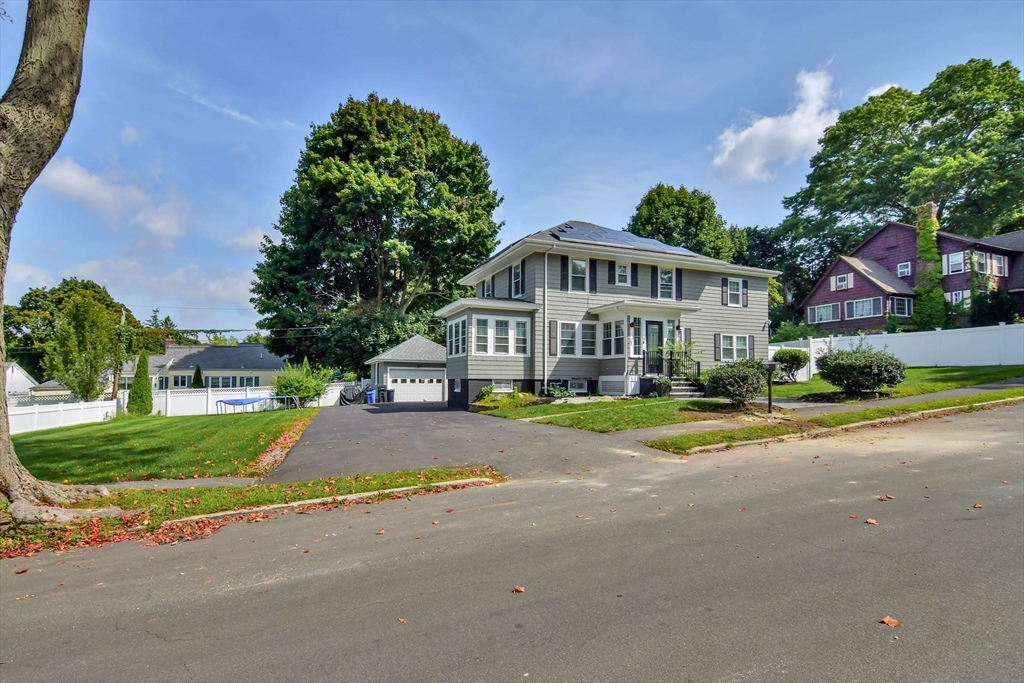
x: 687, y: 394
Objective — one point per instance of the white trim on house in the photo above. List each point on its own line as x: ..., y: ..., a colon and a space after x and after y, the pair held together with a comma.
x: 622, y: 271
x: 653, y: 307
x: 851, y: 307
x: 490, y: 337
x: 815, y: 313
x: 904, y: 302
x: 734, y: 347
x: 738, y: 293
x: 457, y: 337
x: 904, y: 272
x: 459, y: 305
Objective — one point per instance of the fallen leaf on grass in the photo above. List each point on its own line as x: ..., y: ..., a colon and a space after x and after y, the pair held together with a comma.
x: 853, y: 516
x: 379, y: 533
x: 401, y: 620
x: 977, y: 506
x: 19, y: 571
x: 870, y: 521
x: 517, y: 589
x: 889, y: 621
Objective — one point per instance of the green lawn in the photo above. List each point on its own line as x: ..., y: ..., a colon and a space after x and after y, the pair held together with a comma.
x: 155, y: 447
x: 684, y: 442
x: 147, y: 509
x: 918, y: 381
x: 623, y: 415
x: 840, y: 419
x: 559, y: 408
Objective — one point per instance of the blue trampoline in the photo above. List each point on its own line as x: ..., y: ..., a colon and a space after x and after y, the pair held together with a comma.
x: 276, y: 403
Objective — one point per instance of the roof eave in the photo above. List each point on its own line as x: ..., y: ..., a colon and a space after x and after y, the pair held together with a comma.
x: 491, y: 304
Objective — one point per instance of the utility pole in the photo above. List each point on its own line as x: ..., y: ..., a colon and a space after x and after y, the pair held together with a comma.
x: 119, y: 355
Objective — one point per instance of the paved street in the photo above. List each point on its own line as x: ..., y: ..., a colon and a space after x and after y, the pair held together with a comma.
x: 736, y: 566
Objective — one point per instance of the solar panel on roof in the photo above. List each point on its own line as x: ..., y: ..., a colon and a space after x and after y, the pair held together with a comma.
x: 588, y: 232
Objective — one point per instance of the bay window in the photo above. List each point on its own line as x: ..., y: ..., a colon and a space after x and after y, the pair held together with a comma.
x: 588, y: 339
x: 501, y: 336
x: 481, y: 335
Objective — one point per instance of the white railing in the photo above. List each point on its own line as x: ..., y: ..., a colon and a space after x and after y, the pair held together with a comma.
x: 1000, y: 344
x: 48, y: 416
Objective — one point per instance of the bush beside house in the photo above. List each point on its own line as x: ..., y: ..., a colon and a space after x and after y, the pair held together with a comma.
x: 740, y: 382
x: 791, y: 361
x: 861, y: 370
x: 140, y: 398
x: 303, y: 381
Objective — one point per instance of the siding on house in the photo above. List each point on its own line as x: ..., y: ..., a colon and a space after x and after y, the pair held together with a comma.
x: 863, y: 288
x: 894, y: 244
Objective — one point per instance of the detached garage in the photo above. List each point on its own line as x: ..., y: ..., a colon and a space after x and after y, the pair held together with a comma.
x: 414, y: 370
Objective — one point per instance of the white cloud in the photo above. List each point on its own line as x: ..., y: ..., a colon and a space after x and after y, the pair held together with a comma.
x: 190, y: 283
x: 165, y: 221
x: 249, y: 240
x: 745, y: 154
x: 226, y: 111
x: 129, y: 135
x: 880, y: 89
x: 27, y: 275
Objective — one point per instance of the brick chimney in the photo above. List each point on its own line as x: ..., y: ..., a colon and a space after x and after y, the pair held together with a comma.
x: 167, y: 344
x: 927, y: 211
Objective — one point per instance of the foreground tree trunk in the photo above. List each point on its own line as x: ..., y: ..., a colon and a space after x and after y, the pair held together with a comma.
x: 35, y: 113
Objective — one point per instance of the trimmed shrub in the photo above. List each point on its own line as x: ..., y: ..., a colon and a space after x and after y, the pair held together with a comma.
x: 557, y: 391
x: 861, y: 370
x: 140, y: 398
x: 740, y: 382
x: 485, y: 391
x: 303, y: 381
x: 791, y: 361
x: 197, y: 379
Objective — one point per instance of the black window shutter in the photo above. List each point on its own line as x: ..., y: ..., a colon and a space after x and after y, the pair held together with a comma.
x: 564, y: 283
x: 750, y: 346
x: 552, y: 337
x: 744, y: 294
x: 634, y: 278
x: 611, y: 272
x: 492, y: 285
x: 522, y: 276
x: 593, y: 276
x: 654, y: 282
x: 509, y: 294
x: 718, y: 346
x: 725, y: 292
x: 679, y: 284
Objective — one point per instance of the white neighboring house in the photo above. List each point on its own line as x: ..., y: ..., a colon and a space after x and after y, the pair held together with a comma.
x: 414, y: 370
x: 222, y: 367
x: 18, y: 381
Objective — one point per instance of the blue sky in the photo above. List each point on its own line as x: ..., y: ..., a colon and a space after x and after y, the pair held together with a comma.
x: 191, y: 116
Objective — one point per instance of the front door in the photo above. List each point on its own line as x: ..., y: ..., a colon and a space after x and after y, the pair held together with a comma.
x: 655, y: 340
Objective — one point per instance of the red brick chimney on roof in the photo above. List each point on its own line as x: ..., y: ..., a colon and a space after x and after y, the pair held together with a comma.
x: 167, y: 344
x: 927, y: 211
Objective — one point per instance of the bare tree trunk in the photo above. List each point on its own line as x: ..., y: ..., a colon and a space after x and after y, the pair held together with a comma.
x: 35, y: 113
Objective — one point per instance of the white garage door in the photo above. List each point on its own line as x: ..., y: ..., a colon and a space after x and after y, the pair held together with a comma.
x: 417, y: 384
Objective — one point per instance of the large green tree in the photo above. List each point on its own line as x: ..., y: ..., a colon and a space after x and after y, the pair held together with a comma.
x: 683, y: 218
x: 388, y: 210
x: 81, y: 353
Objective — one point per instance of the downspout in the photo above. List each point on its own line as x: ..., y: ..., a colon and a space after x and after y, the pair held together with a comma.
x: 544, y: 329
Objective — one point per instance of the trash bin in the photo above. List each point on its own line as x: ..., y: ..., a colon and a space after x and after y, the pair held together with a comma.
x: 391, y: 395
x: 371, y: 395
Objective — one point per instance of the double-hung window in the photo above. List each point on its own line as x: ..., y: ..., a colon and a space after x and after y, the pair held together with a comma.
x: 481, y: 335
x: 621, y: 274
x: 635, y: 339
x: 864, y: 308
x: 981, y: 262
x: 956, y: 262
x: 457, y: 337
x: 249, y: 381
x: 903, y: 269
x: 822, y: 314
x: 182, y: 381
x: 620, y: 338
x: 567, y: 339
x: 901, y: 306
x: 606, y: 339
x: 998, y: 265
x: 579, y: 275
x: 521, y: 337
x: 958, y: 297
x: 501, y: 336
x: 844, y: 281
x: 734, y: 346
x: 517, y: 280
x: 161, y: 382
x: 735, y: 292
x: 665, y: 282
x: 488, y: 291
x: 588, y: 339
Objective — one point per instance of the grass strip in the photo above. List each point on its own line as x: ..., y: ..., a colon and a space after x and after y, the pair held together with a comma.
x: 881, y: 412
x: 684, y: 442
x: 918, y: 381
x: 641, y: 414
x: 542, y: 409
x: 147, y: 509
x: 155, y: 447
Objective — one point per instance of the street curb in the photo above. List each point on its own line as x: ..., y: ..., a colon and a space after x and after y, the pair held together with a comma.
x: 329, y: 499
x: 828, y: 431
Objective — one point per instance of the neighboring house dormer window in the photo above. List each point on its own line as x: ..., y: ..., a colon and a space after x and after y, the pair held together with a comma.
x: 579, y: 275
x: 903, y: 269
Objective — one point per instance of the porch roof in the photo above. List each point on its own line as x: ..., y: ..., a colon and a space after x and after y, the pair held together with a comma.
x: 642, y: 307
x: 489, y: 303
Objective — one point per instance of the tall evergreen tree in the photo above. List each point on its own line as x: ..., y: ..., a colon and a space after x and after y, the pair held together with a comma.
x: 197, y: 378
x: 140, y: 398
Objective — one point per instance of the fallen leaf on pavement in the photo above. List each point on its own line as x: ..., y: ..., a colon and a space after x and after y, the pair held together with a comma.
x: 870, y: 521
x: 435, y: 522
x: 883, y: 499
x: 401, y: 620
x: 305, y: 551
x: 689, y: 505
x: 1005, y: 482
x: 743, y: 509
x: 417, y: 538
x: 579, y: 516
x: 23, y: 597
x: 449, y: 510
x: 19, y: 571
x: 889, y: 621
x: 977, y: 506
x: 853, y: 516
x: 889, y: 496
x: 379, y: 533
x: 518, y: 589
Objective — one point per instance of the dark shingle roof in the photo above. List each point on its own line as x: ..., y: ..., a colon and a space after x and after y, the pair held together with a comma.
x: 416, y: 349
x: 1016, y: 282
x: 578, y: 231
x: 874, y: 272
x: 1011, y: 241
x: 241, y: 357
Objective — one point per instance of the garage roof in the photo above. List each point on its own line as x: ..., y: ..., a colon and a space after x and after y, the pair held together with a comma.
x: 416, y: 349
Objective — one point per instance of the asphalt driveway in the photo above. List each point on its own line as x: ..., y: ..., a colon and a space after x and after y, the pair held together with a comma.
x: 344, y: 440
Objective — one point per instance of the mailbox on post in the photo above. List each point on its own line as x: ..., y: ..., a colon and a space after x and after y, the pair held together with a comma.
x: 771, y: 366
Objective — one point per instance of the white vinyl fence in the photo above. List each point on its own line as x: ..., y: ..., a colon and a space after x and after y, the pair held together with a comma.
x: 49, y: 415
x: 174, y: 402
x: 1000, y: 344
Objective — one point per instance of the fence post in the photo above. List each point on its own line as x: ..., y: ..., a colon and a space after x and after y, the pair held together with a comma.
x: 1003, y: 343
x: 35, y: 416
x: 209, y: 395
x: 938, y: 347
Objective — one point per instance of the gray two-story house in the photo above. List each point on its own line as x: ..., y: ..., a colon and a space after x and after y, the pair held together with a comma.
x: 592, y: 309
